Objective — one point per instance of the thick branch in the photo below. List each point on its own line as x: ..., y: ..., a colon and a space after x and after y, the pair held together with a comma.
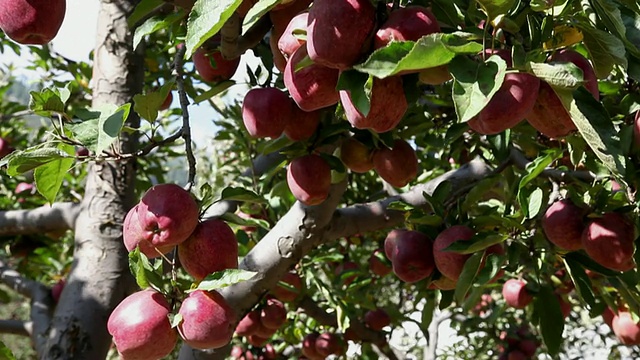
x: 60, y: 216
x: 17, y: 282
x: 363, y: 218
x: 16, y: 327
x: 233, y: 44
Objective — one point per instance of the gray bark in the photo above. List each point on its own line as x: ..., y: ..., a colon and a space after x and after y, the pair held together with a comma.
x: 99, y: 278
x: 59, y: 216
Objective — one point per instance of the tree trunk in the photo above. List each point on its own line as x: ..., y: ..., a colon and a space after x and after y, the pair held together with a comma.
x: 100, y: 278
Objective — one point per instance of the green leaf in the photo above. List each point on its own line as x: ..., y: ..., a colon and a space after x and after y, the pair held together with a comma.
x: 610, y: 15
x: 537, y: 166
x: 492, y: 266
x: 5, y: 352
x: 235, y: 219
x: 147, y: 105
x: 551, y: 319
x: 477, y: 243
x: 215, y: 90
x: 241, y: 194
x: 359, y: 87
x: 86, y: 132
x: 49, y: 176
x: 224, y: 278
x: 45, y: 101
x: 605, y: 50
x: 535, y: 203
x: 588, y: 263
x: 475, y: 84
x: 429, y: 51
x: 110, y: 124
x: 258, y: 10
x: 143, y: 8
x: 137, y: 262
x: 493, y: 8
x: 20, y: 162
x: 155, y: 24
x: 581, y: 282
x: 595, y: 126
x: 427, y: 314
x: 206, y: 19
x: 468, y: 274
x: 562, y: 75
x: 175, y: 319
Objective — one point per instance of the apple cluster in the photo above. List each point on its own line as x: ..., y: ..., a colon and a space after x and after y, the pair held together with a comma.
x: 415, y: 257
x: 32, y: 22
x: 318, y: 346
x: 260, y: 324
x: 268, y: 352
x: 518, y: 345
x: 607, y: 239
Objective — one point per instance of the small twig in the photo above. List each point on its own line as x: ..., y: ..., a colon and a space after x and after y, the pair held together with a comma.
x: 518, y: 158
x: 184, y: 104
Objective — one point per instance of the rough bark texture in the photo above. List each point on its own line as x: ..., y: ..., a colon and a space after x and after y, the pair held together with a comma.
x: 100, y: 278
x: 60, y: 216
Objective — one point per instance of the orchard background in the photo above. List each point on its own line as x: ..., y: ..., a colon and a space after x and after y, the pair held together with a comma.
x: 465, y: 162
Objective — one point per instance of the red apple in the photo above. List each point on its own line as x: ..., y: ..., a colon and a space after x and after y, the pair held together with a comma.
x: 563, y: 224
x: 289, y: 42
x: 249, y: 324
x: 411, y: 255
x: 609, y: 241
x: 515, y: 294
x: 288, y: 295
x: 5, y: 147
x: 168, y: 214
x: 450, y: 263
x: 625, y: 328
x: 167, y: 102
x: 313, y: 86
x: 23, y: 188
x: 212, y: 66
x: 377, y: 319
x: 56, y: 290
x: 273, y: 314
x: 140, y: 326
x: 309, y: 178
x: 309, y: 347
x: 398, y: 165
x: 256, y: 341
x: 329, y: 344
x: 281, y: 17
x: 406, y: 24
x: 82, y: 152
x: 207, y: 320
x: 211, y: 247
x: 608, y: 315
x: 356, y: 156
x: 517, y: 355
x: 266, y: 112
x: 588, y: 74
x: 134, y: 236
x: 338, y: 31
x: 303, y: 124
x: 32, y: 22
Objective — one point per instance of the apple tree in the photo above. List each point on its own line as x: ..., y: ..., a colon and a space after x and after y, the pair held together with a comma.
x: 387, y: 167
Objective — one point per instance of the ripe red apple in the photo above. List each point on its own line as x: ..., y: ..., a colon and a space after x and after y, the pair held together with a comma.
x: 406, y: 24
x: 309, y: 347
x: 249, y: 324
x: 212, y: 66
x: 356, y: 156
x: 329, y: 344
x: 288, y: 295
x: 515, y: 294
x: 313, y: 86
x: 517, y: 355
x: 288, y: 43
x: 344, y: 267
x: 563, y: 224
x: 31, y: 22
x: 309, y: 178
x: 278, y: 59
x: 82, y: 152
x: 135, y: 235
x: 609, y: 241
x: 528, y: 347
x: 268, y: 353
x: 23, y: 188
x: 211, y: 247
x: 281, y: 17
x: 256, y: 341
x: 508, y: 106
x: 411, y: 255
x: 273, y: 314
x: 608, y: 315
x: 377, y: 265
x: 303, y: 124
x: 167, y: 214
x: 588, y: 74
x: 237, y: 352
x: 140, y: 326
x: 56, y: 290
x: 167, y: 102
x: 264, y: 332
x: 266, y: 112
x: 548, y: 115
x: 377, y: 319
x: 450, y: 263
x: 388, y: 105
x: 207, y: 320
x: 5, y: 148
x: 625, y: 328
x: 338, y: 31
x: 398, y: 165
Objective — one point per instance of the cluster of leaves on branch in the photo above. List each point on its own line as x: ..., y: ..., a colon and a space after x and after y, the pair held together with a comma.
x: 466, y: 160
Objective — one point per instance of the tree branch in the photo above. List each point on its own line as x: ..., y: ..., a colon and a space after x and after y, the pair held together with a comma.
x: 60, y: 216
x: 522, y: 162
x: 233, y: 44
x: 16, y: 327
